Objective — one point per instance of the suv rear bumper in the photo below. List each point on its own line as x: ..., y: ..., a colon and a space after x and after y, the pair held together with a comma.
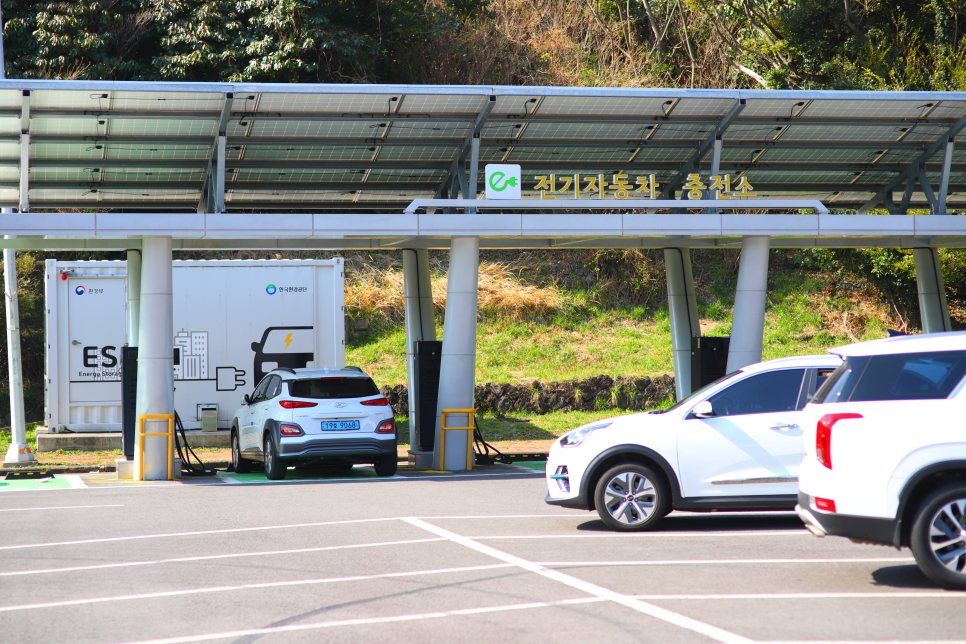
x: 299, y: 447
x: 856, y: 528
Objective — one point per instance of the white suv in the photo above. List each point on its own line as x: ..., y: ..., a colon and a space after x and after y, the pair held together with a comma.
x: 885, y: 451
x: 298, y: 415
x: 733, y: 445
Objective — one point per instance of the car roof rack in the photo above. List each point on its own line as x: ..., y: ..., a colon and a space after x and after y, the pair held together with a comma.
x: 348, y: 368
x: 288, y: 369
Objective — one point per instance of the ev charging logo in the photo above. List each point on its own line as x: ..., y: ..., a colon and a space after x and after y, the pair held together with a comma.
x: 80, y: 290
x: 270, y: 289
x: 503, y: 181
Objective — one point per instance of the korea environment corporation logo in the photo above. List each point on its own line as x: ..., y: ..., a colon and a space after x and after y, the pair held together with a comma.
x: 503, y: 181
x: 80, y: 290
x: 270, y: 289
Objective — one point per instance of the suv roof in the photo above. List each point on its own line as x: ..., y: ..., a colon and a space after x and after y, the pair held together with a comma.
x: 925, y: 342
x: 817, y: 360
x: 313, y: 372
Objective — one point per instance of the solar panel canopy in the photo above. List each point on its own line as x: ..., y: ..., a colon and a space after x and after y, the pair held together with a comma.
x: 109, y: 146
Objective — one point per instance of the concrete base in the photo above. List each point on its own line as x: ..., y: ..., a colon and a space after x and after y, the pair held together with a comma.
x: 102, y: 442
x: 125, y: 469
x: 421, y: 460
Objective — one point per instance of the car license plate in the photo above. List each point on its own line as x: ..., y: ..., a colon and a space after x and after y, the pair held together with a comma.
x: 339, y: 425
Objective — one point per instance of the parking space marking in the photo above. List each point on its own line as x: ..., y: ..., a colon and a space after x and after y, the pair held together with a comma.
x: 642, y: 535
x: 193, y: 533
x: 370, y: 621
x: 651, y: 610
x: 63, y: 507
x: 854, y: 595
x: 75, y: 481
x: 705, y: 562
x: 508, y: 516
x: 262, y: 585
x: 128, y: 564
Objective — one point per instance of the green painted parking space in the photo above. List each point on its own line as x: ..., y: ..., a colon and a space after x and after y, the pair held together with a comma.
x: 299, y: 474
x: 540, y: 466
x: 58, y: 482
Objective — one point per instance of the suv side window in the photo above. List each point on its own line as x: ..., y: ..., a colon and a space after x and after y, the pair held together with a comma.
x: 762, y: 393
x: 273, y: 388
x: 259, y: 393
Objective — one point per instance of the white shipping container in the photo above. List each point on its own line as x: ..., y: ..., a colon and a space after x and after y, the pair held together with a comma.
x: 234, y: 321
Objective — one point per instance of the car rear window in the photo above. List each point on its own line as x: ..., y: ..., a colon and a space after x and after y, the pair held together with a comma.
x: 906, y: 376
x: 332, y: 388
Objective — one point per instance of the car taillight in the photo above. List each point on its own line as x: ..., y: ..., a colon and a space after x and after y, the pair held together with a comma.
x: 825, y: 504
x: 290, y: 430
x: 375, y: 402
x: 386, y: 427
x: 823, y: 436
x: 295, y: 404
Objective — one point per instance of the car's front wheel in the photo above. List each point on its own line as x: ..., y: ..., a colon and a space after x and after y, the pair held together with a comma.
x: 938, y: 536
x: 631, y: 496
x: 238, y: 462
x: 275, y: 468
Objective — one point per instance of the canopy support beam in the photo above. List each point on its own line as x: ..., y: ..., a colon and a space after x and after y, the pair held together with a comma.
x: 689, y: 166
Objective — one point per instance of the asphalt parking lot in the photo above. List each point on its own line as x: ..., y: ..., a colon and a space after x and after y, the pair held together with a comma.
x: 430, y: 558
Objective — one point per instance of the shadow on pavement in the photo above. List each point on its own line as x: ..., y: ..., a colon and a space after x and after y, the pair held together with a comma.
x: 714, y: 522
x: 907, y: 576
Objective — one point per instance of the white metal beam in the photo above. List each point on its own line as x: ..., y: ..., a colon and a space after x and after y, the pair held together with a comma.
x: 944, y: 176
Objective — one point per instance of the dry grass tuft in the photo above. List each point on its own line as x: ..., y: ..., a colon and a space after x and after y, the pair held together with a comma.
x: 378, y: 296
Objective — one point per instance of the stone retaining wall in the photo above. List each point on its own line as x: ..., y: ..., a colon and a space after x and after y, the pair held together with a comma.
x: 596, y: 392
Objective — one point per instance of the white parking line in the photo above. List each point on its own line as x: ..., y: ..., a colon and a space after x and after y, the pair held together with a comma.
x: 663, y: 614
x: 128, y: 564
x: 75, y: 481
x: 648, y: 535
x: 191, y: 534
x: 509, y: 516
x: 859, y: 595
x: 706, y: 562
x: 367, y: 621
x: 63, y: 507
x: 269, y: 584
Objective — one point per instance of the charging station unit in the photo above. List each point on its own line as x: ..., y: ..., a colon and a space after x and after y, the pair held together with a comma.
x: 233, y: 320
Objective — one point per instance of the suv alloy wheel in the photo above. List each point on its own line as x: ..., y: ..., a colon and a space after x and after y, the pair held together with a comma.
x: 938, y: 537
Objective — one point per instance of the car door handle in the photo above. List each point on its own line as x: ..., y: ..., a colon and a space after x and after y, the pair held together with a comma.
x: 784, y: 427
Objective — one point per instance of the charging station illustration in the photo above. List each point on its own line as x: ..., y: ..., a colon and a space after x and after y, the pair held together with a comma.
x: 283, y: 346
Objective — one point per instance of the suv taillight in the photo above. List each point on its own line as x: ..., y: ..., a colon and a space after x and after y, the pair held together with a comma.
x: 294, y: 404
x: 375, y: 402
x: 823, y: 436
x: 386, y: 427
x: 289, y: 430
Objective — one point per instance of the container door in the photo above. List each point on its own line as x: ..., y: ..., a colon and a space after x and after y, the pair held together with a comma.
x: 97, y: 327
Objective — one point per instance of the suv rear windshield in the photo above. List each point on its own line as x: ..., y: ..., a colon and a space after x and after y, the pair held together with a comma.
x: 907, y: 376
x: 332, y: 388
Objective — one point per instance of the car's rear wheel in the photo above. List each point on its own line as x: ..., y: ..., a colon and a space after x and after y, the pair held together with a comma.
x: 631, y: 496
x: 275, y: 468
x: 938, y: 536
x: 238, y: 462
x: 387, y: 465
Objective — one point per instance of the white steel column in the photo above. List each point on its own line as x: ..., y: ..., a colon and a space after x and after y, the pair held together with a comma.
x: 155, y: 354
x: 420, y: 324
x: 944, y: 176
x: 457, y: 377
x: 933, y: 308
x: 748, y: 320
x: 19, y: 451
x: 133, y: 296
x: 683, y: 310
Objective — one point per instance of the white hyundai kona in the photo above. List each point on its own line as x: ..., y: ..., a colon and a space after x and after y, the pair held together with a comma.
x: 333, y: 417
x: 736, y: 444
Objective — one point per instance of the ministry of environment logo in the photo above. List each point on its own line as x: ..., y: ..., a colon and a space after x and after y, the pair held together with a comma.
x: 80, y: 290
x: 500, y: 182
x: 270, y: 289
x: 503, y: 181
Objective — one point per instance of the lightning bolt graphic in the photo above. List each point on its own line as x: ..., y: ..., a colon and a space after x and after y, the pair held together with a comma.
x: 288, y: 340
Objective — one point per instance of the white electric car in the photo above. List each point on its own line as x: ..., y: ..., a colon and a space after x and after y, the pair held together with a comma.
x: 885, y: 451
x: 733, y: 445
x: 334, y: 417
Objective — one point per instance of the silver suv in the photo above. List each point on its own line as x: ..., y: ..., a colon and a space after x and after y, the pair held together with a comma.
x: 332, y: 417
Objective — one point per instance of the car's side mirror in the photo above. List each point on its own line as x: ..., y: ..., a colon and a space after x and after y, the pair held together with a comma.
x: 247, y: 399
x: 703, y: 410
